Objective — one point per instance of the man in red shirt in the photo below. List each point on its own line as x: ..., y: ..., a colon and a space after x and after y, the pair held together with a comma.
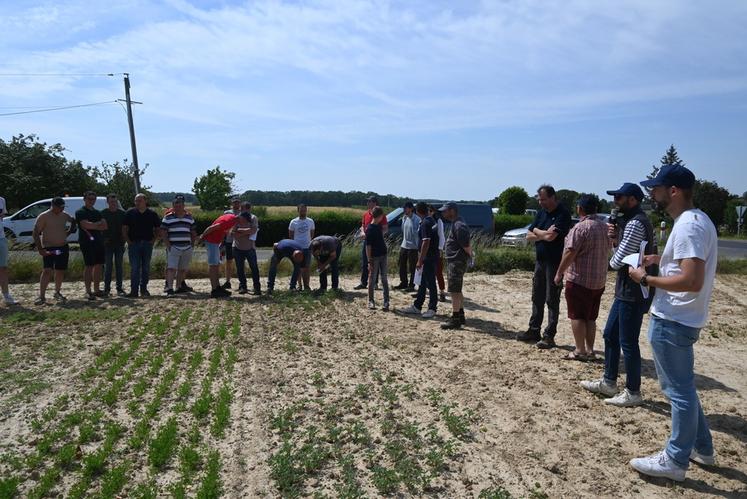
x: 213, y: 237
x: 371, y: 203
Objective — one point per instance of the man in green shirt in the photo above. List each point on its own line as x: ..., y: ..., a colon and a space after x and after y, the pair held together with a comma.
x: 114, y: 245
x: 91, y: 240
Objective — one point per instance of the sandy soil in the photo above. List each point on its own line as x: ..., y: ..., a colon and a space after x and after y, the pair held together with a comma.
x: 531, y: 429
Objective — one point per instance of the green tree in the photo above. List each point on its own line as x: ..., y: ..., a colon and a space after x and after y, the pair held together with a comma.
x: 31, y: 170
x: 513, y: 201
x: 670, y: 157
x: 120, y: 179
x: 213, y: 190
x: 712, y: 199
x: 568, y: 197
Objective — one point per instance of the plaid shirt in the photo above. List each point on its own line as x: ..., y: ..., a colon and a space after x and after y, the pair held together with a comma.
x: 589, y: 240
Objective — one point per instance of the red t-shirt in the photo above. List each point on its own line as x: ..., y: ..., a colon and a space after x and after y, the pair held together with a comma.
x: 368, y: 218
x: 225, y: 223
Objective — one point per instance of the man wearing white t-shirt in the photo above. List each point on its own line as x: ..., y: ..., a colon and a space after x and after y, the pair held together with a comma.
x: 301, y: 230
x: 680, y: 309
x: 4, y: 258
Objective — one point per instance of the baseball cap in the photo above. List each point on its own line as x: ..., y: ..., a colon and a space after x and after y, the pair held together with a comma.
x: 672, y: 176
x: 451, y: 205
x: 628, y: 189
x: 179, y: 198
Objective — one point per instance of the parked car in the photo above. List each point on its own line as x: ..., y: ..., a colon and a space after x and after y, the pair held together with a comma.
x: 19, y: 226
x: 479, y: 218
x: 516, y: 237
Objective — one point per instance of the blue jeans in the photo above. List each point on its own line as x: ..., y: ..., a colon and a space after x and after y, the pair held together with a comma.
x: 113, y: 256
x: 334, y: 269
x: 276, y: 259
x: 428, y: 282
x: 672, y: 344
x: 250, y: 256
x: 139, y: 253
x: 623, y: 330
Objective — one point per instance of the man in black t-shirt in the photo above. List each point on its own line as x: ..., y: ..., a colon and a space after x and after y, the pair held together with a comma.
x: 427, y: 261
x: 459, y: 257
x: 548, y: 232
x: 91, y: 240
x: 139, y: 229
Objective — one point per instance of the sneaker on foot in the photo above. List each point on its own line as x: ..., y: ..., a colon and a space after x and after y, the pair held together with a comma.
x: 545, y: 344
x: 121, y: 292
x: 659, y: 465
x: 184, y: 288
x: 428, y: 314
x: 360, y: 286
x: 625, y: 398
x: 59, y: 297
x: 144, y: 292
x: 40, y: 300
x: 170, y: 292
x: 385, y: 308
x: 9, y: 300
x: 412, y: 310
x: 371, y: 305
x: 226, y: 285
x: 600, y: 386
x: 703, y: 459
x: 454, y: 322
x: 100, y: 294
x: 243, y: 291
x: 132, y: 294
x: 529, y: 336
x: 90, y: 297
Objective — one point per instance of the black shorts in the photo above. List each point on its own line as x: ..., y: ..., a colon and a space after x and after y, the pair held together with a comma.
x: 57, y: 261
x: 455, y: 270
x: 229, y: 250
x: 94, y: 253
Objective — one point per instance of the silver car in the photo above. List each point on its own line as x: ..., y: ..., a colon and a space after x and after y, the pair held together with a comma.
x: 516, y: 237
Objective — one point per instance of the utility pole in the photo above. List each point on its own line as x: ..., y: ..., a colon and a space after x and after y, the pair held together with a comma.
x: 132, y: 132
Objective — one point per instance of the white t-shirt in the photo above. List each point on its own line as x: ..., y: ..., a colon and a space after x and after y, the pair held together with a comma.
x: 302, y: 230
x: 441, y: 238
x: 2, y: 214
x: 693, y: 236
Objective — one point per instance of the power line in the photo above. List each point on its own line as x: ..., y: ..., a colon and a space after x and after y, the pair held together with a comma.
x: 59, y: 108
x: 58, y: 74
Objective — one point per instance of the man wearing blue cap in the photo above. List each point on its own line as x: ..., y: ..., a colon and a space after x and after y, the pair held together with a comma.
x: 623, y: 329
x: 679, y: 311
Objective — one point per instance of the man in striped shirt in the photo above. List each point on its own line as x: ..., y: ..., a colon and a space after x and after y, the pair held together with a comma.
x: 626, y: 315
x: 178, y: 232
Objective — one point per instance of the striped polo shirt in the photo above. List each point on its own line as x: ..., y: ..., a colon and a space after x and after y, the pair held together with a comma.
x: 179, y: 229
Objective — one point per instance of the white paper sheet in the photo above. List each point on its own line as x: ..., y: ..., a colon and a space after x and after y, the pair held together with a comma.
x: 636, y: 260
x: 418, y: 276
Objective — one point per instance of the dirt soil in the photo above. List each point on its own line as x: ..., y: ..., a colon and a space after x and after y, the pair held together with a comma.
x: 334, y: 400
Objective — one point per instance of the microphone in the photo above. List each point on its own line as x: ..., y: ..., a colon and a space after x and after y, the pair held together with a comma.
x: 613, y: 215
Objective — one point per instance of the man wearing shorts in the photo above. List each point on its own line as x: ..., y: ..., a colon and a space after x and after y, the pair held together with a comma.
x: 4, y: 258
x: 91, y: 240
x: 228, y: 241
x: 50, y: 238
x: 213, y: 237
x: 459, y: 257
x: 584, y: 264
x: 178, y: 233
x: 286, y: 248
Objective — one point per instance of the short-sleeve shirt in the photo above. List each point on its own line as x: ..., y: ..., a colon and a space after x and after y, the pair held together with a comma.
x: 140, y: 226
x: 429, y: 231
x: 328, y: 245
x: 224, y: 223
x: 560, y: 217
x: 53, y: 228
x: 458, y: 239
x: 229, y: 236
x: 179, y: 229
x: 90, y: 215
x: 591, y: 244
x: 302, y: 228
x: 286, y: 248
x: 113, y: 232
x: 368, y: 219
x: 245, y: 242
x: 2, y: 214
x: 375, y: 239
x: 693, y: 236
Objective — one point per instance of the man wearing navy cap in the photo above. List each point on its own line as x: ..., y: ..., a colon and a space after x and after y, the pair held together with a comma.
x: 679, y: 311
x: 623, y: 328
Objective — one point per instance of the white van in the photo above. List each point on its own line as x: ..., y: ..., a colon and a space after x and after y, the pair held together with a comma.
x: 19, y: 226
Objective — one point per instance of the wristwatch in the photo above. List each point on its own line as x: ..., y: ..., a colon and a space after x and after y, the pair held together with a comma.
x: 644, y: 280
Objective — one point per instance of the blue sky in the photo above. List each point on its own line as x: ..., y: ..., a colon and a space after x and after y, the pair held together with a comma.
x: 429, y: 99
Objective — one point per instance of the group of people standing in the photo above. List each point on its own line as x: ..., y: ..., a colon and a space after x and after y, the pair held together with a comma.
x: 674, y: 288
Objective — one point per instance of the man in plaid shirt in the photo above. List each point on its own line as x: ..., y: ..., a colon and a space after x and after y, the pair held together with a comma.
x: 584, y: 265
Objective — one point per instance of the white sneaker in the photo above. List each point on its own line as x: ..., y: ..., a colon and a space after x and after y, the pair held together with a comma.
x: 411, y: 310
x: 703, y: 459
x: 9, y: 300
x: 599, y: 386
x: 371, y: 305
x: 428, y: 314
x: 625, y: 398
x: 659, y: 465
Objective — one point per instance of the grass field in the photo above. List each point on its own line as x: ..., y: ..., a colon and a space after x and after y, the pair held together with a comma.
x: 298, y: 395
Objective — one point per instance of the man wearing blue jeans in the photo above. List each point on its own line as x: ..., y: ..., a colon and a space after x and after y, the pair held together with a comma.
x: 623, y: 328
x: 427, y: 261
x: 680, y: 310
x: 244, y: 235
x: 139, y: 230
